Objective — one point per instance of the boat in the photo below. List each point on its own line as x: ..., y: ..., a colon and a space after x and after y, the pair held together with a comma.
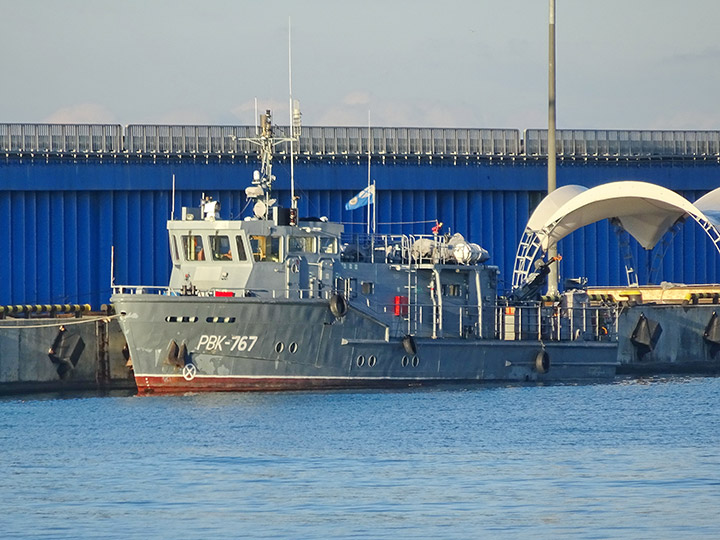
x: 276, y: 301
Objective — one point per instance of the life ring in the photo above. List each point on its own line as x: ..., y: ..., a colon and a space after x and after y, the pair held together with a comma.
x: 189, y: 371
x: 408, y: 343
x: 542, y: 362
x: 338, y: 306
x: 295, y: 266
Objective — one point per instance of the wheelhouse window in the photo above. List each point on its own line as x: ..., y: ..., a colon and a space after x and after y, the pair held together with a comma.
x: 193, y: 247
x: 451, y: 289
x: 265, y: 248
x: 173, y: 248
x: 241, y: 254
x: 328, y: 244
x: 301, y: 244
x: 367, y: 287
x: 221, y: 248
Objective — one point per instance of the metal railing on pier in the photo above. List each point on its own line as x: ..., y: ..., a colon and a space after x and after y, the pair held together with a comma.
x: 61, y: 138
x: 624, y: 143
x: 337, y: 142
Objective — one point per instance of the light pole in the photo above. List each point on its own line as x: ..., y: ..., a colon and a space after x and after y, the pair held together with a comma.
x: 551, y: 182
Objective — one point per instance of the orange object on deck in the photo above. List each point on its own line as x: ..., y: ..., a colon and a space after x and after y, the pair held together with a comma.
x: 401, y: 306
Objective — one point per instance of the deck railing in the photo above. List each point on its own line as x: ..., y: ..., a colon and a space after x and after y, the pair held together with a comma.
x: 397, y: 248
x: 532, y: 321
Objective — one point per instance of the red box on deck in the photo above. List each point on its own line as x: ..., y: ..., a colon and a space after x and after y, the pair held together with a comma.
x: 401, y: 306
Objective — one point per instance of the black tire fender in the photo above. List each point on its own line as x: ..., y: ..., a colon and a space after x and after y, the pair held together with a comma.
x: 542, y: 362
x: 338, y: 306
x: 409, y: 345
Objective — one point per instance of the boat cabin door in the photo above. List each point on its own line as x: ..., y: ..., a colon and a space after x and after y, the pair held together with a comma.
x: 321, y: 277
x: 297, y: 277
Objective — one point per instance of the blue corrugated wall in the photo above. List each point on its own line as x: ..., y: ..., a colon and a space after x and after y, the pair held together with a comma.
x: 61, y: 217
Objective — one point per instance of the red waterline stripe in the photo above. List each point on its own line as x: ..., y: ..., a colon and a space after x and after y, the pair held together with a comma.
x: 159, y: 384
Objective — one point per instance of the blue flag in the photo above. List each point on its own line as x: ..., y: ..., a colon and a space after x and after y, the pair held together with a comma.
x: 365, y: 197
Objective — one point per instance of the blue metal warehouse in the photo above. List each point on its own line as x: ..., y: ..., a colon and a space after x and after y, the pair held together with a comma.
x: 73, y: 192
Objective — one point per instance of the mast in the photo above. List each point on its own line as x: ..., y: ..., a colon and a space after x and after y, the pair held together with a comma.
x: 374, y: 196
x: 172, y: 208
x: 368, y: 185
x: 266, y: 151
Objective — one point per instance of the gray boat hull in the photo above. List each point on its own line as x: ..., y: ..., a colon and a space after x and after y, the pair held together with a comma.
x: 189, y: 343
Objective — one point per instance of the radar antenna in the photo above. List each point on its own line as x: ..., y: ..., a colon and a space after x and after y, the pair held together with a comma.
x: 261, y: 188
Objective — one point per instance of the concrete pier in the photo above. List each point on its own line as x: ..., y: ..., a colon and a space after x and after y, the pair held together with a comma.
x: 669, y: 338
x: 43, y: 354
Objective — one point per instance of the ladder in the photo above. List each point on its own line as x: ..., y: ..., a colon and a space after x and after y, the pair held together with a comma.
x: 413, y: 313
x: 527, y: 252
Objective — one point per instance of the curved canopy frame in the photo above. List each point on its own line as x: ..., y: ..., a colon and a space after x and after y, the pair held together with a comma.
x: 646, y: 211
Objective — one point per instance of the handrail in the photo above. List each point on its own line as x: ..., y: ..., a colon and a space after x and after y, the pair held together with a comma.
x: 533, y: 320
x: 220, y: 292
x: 405, y: 249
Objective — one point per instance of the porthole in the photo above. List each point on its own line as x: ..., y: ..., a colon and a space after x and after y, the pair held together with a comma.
x: 360, y: 361
x: 293, y: 348
x: 279, y: 347
x: 372, y: 361
x: 404, y: 361
x: 220, y: 319
x: 181, y: 319
x: 415, y: 361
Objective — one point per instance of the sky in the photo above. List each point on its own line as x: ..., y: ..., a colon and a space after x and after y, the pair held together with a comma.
x: 621, y: 64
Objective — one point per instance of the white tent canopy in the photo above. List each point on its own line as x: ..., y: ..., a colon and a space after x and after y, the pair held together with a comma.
x: 550, y: 204
x: 646, y: 211
x: 709, y: 205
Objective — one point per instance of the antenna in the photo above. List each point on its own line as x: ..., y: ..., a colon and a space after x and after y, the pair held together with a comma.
x: 292, y: 123
x: 295, y: 117
x: 256, y: 119
x: 172, y: 208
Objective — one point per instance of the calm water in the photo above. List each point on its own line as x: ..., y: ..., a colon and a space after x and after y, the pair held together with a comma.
x: 636, y: 459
